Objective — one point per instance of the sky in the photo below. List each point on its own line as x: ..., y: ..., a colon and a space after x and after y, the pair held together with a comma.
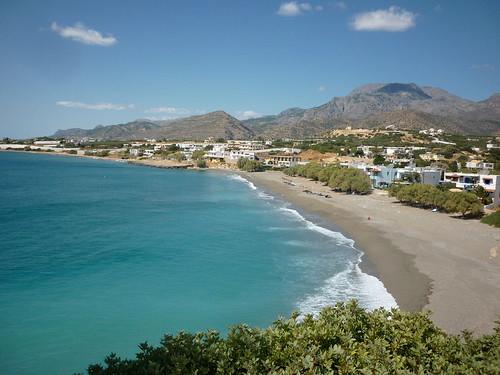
x: 66, y: 64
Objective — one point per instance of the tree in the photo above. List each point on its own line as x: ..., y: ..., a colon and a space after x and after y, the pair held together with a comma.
x: 201, y: 163
x: 482, y: 194
x: 453, y: 166
x: 178, y: 156
x: 421, y: 163
x: 249, y: 165
x: 350, y: 180
x: 464, y: 203
x: 378, y: 160
x: 173, y: 148
x: 198, y: 154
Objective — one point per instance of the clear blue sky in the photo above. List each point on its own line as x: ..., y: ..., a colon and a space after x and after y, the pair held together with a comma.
x: 82, y: 63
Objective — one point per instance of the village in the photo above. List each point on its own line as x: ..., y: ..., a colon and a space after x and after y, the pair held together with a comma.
x: 424, y: 157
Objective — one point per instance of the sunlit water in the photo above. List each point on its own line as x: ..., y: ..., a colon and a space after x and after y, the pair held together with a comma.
x: 98, y: 256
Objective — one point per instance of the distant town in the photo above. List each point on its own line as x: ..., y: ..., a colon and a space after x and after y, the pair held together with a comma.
x: 387, y: 156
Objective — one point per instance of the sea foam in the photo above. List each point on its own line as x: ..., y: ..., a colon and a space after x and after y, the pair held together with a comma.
x: 338, y: 237
x: 244, y: 180
x: 348, y: 284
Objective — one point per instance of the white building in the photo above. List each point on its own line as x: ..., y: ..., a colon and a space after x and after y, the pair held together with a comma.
x: 479, y: 164
x: 48, y: 143
x: 282, y: 161
x: 235, y: 155
x: 468, y: 181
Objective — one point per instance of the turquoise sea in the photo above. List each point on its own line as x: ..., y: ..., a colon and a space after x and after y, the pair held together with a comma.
x: 98, y: 256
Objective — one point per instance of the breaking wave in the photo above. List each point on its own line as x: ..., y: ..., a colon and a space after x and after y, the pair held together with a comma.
x: 339, y: 238
x: 244, y: 180
x: 350, y: 283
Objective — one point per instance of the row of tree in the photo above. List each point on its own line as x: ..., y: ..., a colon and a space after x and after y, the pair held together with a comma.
x: 249, y: 165
x: 428, y: 196
x: 348, y: 180
x: 345, y: 339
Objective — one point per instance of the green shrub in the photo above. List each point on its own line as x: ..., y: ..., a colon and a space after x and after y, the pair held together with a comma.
x: 492, y: 219
x: 198, y: 154
x: 350, y: 180
x: 344, y: 339
x: 249, y: 165
x: 428, y: 196
x: 201, y: 163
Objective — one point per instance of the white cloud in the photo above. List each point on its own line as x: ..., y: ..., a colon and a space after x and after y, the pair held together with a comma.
x: 322, y: 88
x: 169, y: 110
x: 82, y: 34
x: 294, y: 8
x: 97, y: 106
x: 392, y: 19
x: 483, y: 67
x: 340, y: 5
x: 248, y: 114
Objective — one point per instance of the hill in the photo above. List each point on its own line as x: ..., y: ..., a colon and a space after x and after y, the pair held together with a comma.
x: 402, y: 105
x: 217, y: 124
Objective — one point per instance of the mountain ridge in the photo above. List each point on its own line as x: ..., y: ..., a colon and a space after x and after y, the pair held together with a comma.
x: 217, y: 124
x: 401, y: 105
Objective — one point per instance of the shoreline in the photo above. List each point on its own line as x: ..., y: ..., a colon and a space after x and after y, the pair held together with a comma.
x: 377, y: 251
x: 427, y: 261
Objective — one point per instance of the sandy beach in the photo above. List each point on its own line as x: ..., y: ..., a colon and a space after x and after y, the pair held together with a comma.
x: 427, y: 260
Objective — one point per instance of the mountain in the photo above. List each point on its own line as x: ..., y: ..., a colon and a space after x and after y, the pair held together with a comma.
x: 217, y: 124
x: 138, y: 129
x: 403, y: 105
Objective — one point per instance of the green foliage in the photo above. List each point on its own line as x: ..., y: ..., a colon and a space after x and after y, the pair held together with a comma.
x: 428, y: 196
x: 201, y: 163
x: 173, y: 148
x: 349, y: 180
x: 482, y: 194
x: 198, y: 154
x: 249, y: 165
x: 378, y: 160
x: 449, y: 151
x: 453, y: 166
x: 445, y: 186
x: 177, y: 156
x: 344, y: 339
x: 492, y: 219
x: 421, y: 163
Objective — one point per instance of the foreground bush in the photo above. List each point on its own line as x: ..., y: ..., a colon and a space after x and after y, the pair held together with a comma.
x: 344, y: 339
x: 428, y: 196
x: 492, y: 219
